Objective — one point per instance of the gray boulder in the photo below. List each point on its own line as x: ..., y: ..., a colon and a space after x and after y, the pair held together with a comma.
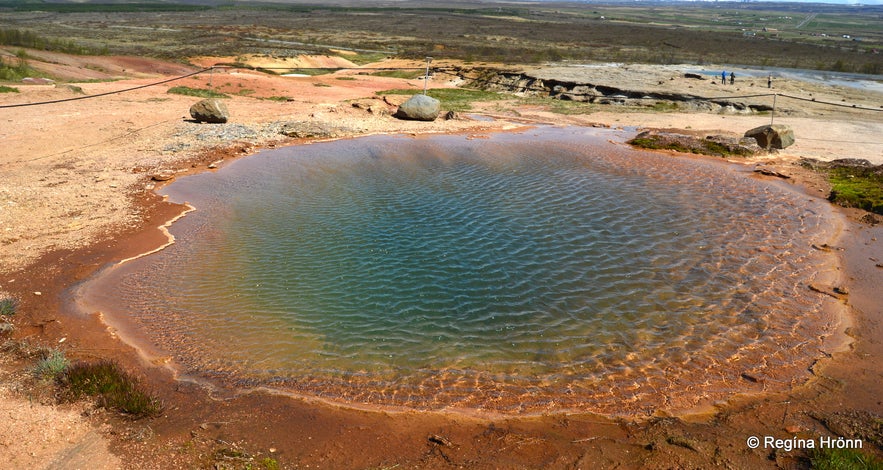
x: 210, y: 110
x: 777, y: 136
x: 419, y: 108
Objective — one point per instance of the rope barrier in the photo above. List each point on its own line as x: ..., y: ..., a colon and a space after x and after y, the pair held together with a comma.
x: 77, y: 98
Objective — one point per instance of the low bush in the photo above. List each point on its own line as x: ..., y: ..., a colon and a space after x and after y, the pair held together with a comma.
x: 52, y: 365
x: 8, y: 306
x: 112, y: 387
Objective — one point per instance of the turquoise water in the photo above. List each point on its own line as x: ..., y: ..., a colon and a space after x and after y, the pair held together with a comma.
x: 528, y: 272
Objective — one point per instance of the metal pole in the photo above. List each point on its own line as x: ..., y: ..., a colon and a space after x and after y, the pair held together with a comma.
x: 426, y: 76
x: 773, y: 114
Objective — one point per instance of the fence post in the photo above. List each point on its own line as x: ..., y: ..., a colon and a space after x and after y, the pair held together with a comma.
x: 773, y: 114
x: 426, y: 76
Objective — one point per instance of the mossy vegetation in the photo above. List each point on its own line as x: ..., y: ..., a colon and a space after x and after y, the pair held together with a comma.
x: 859, y: 187
x: 8, y: 89
x: 111, y: 386
x: 198, y: 92
x: 843, y: 459
x: 687, y: 144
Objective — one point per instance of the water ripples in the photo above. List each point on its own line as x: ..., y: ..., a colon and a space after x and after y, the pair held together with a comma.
x: 523, y: 273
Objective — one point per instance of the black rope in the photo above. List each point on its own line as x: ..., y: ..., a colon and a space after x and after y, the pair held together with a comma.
x: 106, y: 93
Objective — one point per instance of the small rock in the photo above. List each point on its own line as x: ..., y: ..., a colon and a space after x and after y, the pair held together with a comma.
x: 793, y: 429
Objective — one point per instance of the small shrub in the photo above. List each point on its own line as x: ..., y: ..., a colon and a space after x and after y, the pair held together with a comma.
x: 52, y: 365
x: 8, y: 306
x: 198, y: 92
x: 112, y: 387
x: 843, y: 459
x: 8, y: 89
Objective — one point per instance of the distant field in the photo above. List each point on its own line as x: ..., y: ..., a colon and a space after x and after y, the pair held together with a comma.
x: 787, y: 35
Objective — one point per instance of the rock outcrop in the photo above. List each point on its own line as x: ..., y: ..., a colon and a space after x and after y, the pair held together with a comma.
x: 772, y: 136
x: 419, y: 108
x: 210, y: 110
x: 316, y: 130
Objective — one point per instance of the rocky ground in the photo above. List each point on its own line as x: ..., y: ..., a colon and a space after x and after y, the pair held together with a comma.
x: 78, y: 179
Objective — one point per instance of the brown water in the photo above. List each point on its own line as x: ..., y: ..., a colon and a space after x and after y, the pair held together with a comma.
x: 528, y: 273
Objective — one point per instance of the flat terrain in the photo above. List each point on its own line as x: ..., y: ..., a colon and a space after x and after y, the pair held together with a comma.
x: 77, y: 193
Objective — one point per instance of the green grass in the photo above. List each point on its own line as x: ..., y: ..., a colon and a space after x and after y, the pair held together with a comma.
x: 16, y: 69
x: 280, y: 98
x: 702, y: 147
x: 857, y: 187
x: 405, y: 74
x: 312, y: 71
x: 8, y: 306
x: 198, y: 92
x: 112, y: 387
x: 452, y: 99
x: 843, y: 459
x: 8, y: 89
x: 270, y: 463
x: 52, y: 365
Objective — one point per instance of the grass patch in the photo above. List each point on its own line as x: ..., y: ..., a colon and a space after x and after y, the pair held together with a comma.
x: 112, y: 387
x: 684, y: 144
x: 8, y: 306
x: 843, y: 459
x: 857, y: 187
x: 16, y: 69
x: 453, y: 99
x: 52, y: 365
x: 405, y: 74
x: 280, y: 98
x: 198, y: 92
x: 312, y: 72
x: 8, y: 89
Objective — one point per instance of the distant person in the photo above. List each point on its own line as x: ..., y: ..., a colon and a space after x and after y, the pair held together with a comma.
x: 769, y: 81
x: 724, y: 77
x: 732, y: 78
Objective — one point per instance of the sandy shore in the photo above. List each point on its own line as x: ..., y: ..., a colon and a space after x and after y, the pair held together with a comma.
x: 77, y: 193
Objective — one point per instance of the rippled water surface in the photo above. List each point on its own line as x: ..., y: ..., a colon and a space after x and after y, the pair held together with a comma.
x: 529, y: 272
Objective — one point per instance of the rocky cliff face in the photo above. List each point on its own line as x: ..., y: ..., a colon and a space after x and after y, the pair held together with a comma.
x: 529, y: 84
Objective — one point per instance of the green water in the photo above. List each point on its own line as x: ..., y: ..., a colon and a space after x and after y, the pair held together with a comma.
x: 536, y: 271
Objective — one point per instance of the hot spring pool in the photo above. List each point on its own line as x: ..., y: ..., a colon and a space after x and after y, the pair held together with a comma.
x: 533, y: 272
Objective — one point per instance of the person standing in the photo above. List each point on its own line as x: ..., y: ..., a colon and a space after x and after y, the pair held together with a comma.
x: 769, y: 81
x: 732, y: 78
x: 724, y: 77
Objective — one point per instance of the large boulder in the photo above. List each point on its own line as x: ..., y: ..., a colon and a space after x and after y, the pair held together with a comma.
x: 210, y: 110
x: 419, y: 108
x: 777, y: 136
